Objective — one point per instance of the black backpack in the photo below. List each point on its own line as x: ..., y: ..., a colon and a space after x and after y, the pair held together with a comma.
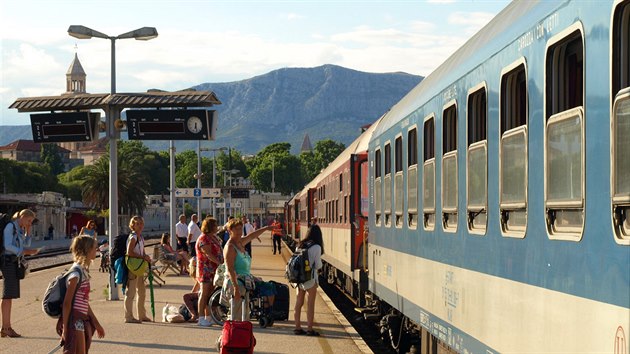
x: 5, y: 219
x: 119, y: 248
x: 299, y: 269
x: 52, y: 304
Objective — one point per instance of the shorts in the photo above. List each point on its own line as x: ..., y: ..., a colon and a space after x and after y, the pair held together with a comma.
x: 308, y: 284
x: 265, y: 288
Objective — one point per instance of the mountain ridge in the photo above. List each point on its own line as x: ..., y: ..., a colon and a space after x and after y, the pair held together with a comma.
x: 327, y: 101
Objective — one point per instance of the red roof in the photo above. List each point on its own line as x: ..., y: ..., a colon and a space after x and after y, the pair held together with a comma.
x: 27, y: 145
x: 99, y: 145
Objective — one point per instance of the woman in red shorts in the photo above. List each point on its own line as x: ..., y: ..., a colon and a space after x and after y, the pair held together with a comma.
x: 209, y: 256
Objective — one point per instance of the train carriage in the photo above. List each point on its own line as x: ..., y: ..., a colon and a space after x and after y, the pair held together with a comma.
x: 498, y: 215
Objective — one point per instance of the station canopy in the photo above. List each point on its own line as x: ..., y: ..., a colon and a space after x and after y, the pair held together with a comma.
x: 150, y: 99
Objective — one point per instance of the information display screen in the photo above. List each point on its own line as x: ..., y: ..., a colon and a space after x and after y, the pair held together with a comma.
x: 181, y: 124
x: 161, y: 127
x: 65, y: 127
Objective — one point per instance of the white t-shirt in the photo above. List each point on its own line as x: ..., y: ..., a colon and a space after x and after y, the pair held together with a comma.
x: 181, y: 230
x: 194, y: 230
x: 248, y: 228
x: 139, y: 249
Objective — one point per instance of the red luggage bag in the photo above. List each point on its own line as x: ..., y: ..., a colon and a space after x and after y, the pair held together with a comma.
x: 237, y: 336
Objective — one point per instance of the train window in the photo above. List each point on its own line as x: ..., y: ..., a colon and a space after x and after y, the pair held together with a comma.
x: 564, y: 136
x: 477, y: 160
x: 620, y: 59
x: 412, y: 178
x: 449, y: 168
x: 621, y: 123
x: 513, y: 150
x: 398, y: 182
x: 365, y: 192
x: 387, y: 185
x: 378, y: 196
x: 428, y: 174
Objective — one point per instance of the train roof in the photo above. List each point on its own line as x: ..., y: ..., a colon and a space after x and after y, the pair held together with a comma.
x: 499, y: 32
x: 359, y: 145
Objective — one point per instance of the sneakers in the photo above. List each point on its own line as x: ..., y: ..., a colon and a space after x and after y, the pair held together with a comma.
x: 203, y: 322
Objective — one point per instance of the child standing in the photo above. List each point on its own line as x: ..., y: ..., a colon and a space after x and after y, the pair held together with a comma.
x: 78, y: 322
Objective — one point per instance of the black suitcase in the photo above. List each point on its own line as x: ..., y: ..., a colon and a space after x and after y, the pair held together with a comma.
x: 280, y: 310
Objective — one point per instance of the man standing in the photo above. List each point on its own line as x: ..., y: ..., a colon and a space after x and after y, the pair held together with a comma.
x: 248, y: 229
x: 193, y: 234
x: 276, y: 235
x: 181, y: 232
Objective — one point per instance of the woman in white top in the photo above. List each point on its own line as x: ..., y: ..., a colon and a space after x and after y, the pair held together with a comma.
x: 313, y: 241
x: 135, y: 248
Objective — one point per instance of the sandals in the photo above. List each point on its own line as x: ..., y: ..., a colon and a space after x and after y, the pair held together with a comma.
x: 301, y: 332
x: 9, y: 332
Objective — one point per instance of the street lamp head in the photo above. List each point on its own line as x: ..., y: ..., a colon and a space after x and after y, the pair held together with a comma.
x: 141, y: 34
x: 83, y: 32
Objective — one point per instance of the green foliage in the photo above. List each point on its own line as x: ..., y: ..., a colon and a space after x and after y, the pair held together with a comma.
x: 133, y: 185
x: 231, y: 161
x: 50, y: 156
x: 277, y: 161
x: 325, y: 152
x: 27, y: 177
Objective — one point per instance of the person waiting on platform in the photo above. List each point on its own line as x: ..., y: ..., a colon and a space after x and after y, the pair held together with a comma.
x: 17, y: 235
x: 277, y: 235
x: 209, y: 256
x: 238, y: 266
x: 135, y: 283
x: 89, y: 229
x: 193, y: 233
x: 171, y: 255
x: 314, y: 243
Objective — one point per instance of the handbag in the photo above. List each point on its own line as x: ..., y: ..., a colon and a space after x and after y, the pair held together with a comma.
x: 219, y: 275
x: 22, y: 268
x: 137, y: 266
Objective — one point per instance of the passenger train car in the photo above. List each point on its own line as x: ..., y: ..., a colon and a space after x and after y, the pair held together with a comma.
x: 499, y: 192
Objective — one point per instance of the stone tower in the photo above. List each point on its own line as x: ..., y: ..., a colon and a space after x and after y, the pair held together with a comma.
x: 75, y: 77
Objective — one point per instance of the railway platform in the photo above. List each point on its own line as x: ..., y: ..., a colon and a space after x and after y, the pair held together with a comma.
x: 38, y: 330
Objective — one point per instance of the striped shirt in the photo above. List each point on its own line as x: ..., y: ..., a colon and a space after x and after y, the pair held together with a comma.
x: 82, y: 299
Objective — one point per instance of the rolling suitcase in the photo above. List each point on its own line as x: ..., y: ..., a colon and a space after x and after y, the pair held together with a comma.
x: 237, y: 336
x: 280, y: 310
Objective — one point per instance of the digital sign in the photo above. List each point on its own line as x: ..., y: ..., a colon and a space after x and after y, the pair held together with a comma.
x: 65, y: 127
x: 186, y: 124
x: 239, y: 193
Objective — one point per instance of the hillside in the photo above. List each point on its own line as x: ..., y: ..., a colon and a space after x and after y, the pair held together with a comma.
x: 324, y: 102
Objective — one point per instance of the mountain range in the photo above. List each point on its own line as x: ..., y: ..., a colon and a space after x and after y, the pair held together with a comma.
x: 283, y: 105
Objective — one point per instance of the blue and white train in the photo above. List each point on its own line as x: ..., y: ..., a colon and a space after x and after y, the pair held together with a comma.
x: 499, y: 191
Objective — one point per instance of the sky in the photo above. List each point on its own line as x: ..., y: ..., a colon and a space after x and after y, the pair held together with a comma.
x: 221, y: 41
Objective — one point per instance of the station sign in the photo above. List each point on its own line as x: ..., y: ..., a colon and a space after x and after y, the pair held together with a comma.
x: 229, y: 205
x: 183, y: 124
x: 197, y: 193
x: 65, y: 127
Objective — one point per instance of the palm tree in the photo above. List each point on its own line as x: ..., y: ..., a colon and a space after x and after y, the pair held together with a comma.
x: 132, y: 185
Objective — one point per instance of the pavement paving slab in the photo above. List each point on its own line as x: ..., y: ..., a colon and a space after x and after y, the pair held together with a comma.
x: 39, y: 335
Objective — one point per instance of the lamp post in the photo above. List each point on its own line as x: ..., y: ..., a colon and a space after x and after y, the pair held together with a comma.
x: 143, y: 34
x: 214, y: 174
x: 228, y: 173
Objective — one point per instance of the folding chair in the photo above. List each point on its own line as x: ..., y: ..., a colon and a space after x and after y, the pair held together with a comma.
x: 160, y: 255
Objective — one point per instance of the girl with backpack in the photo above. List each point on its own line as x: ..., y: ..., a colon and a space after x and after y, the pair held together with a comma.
x: 77, y: 322
x: 314, y: 242
x: 16, y: 235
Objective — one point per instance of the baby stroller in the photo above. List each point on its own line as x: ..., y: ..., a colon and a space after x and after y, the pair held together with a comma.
x: 103, y: 248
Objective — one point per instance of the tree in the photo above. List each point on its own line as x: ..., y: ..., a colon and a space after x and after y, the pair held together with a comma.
x: 325, y: 152
x: 231, y: 161
x: 287, y: 169
x: 52, y: 158
x: 132, y: 185
x: 27, y: 177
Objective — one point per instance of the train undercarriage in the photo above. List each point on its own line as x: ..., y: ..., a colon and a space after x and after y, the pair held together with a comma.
x: 397, y: 331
